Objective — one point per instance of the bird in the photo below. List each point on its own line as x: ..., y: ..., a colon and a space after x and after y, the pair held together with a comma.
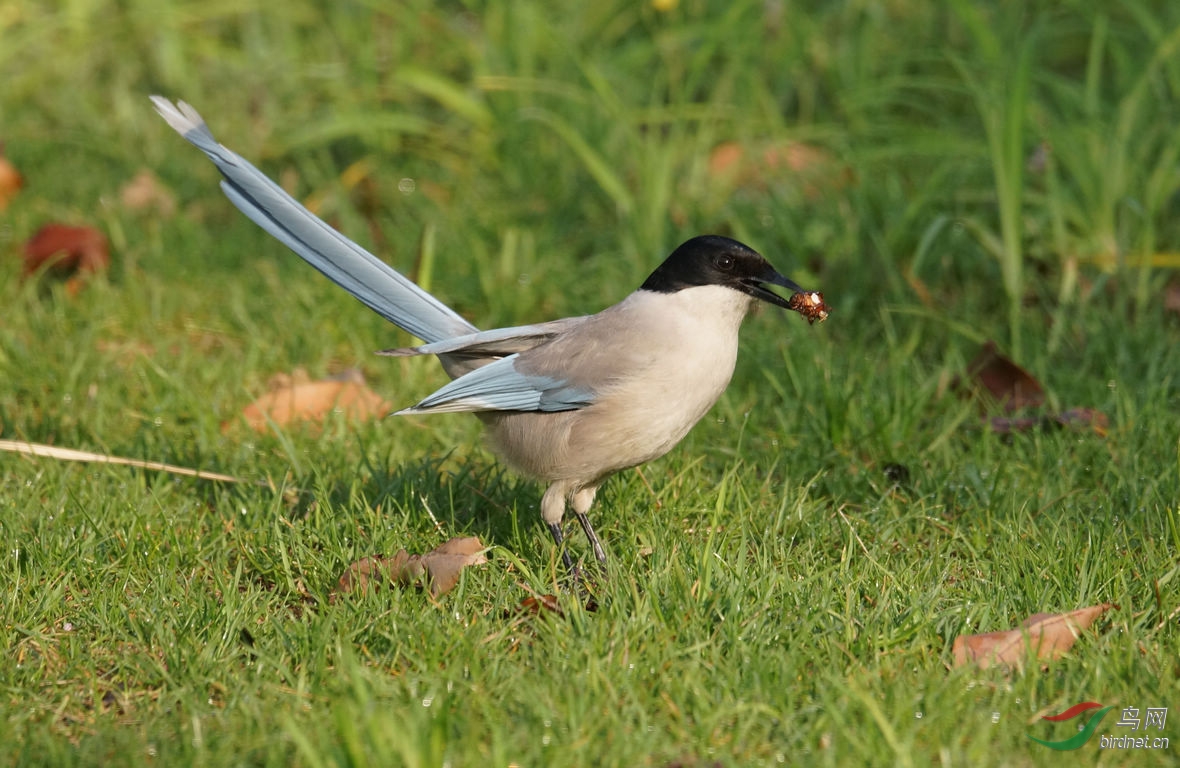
x: 568, y: 402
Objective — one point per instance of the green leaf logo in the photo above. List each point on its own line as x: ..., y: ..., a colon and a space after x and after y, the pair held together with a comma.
x: 1082, y: 736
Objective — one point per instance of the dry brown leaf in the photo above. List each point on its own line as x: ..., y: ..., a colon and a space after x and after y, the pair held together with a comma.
x: 1171, y: 296
x: 66, y: 251
x: 438, y: 569
x: 815, y: 168
x: 10, y: 180
x: 996, y: 380
x: 1003, y: 380
x: 1042, y: 635
x: 727, y: 159
x: 295, y: 399
x: 1074, y: 418
x: 145, y: 193
x: 535, y: 605
x: 283, y: 380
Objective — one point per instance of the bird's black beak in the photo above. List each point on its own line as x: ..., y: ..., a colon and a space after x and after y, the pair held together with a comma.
x: 756, y: 287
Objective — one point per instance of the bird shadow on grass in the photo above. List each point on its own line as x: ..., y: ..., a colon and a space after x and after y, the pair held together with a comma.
x: 341, y: 511
x: 447, y: 496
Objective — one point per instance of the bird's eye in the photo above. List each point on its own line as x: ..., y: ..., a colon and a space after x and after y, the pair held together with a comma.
x: 724, y: 262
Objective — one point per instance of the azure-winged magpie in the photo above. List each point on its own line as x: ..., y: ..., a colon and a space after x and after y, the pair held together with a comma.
x: 569, y: 402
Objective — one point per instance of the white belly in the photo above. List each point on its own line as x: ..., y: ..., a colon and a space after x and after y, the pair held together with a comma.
x: 671, y: 357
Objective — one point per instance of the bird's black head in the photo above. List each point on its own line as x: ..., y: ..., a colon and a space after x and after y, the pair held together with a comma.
x: 716, y: 260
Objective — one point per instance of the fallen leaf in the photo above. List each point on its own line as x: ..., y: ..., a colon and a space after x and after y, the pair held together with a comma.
x: 145, y: 193
x: 1074, y: 418
x: 283, y: 380
x: 1171, y: 296
x: 438, y: 569
x: 66, y: 251
x: 815, y: 168
x: 726, y: 159
x: 535, y: 605
x: 1042, y: 635
x: 1003, y: 380
x: 1084, y: 417
x: 10, y: 180
x: 996, y: 380
x: 293, y: 399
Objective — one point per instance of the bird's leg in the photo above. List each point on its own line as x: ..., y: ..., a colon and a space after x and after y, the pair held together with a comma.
x: 552, y: 510
x: 592, y: 536
x: 559, y: 540
x: 581, y: 503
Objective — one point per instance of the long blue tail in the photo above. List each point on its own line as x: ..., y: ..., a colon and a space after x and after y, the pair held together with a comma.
x: 372, y: 281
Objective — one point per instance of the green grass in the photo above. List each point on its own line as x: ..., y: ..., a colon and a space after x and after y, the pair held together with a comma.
x: 773, y: 596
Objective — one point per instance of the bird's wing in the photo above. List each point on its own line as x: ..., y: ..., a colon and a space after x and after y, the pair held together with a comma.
x: 499, y: 342
x: 372, y: 281
x: 499, y: 386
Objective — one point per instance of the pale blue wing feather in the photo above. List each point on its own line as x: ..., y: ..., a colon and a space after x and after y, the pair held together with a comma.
x: 494, y: 343
x: 499, y: 386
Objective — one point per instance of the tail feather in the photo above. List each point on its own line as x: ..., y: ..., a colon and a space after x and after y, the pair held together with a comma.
x: 377, y: 285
